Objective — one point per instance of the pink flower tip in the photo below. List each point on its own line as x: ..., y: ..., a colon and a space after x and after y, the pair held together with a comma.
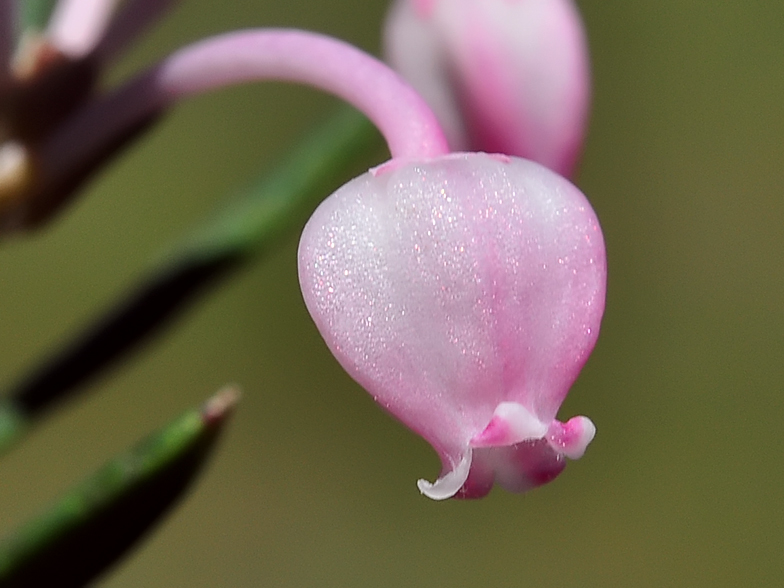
x: 503, y: 76
x: 464, y: 293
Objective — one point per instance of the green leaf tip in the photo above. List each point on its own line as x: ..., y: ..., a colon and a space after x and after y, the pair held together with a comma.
x: 218, y: 408
x: 100, y: 520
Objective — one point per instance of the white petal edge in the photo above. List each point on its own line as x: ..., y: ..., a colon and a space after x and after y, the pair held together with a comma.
x: 447, y: 486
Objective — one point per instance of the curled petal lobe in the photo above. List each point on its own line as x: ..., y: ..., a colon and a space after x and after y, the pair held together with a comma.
x: 464, y: 293
x: 451, y: 482
x: 571, y: 438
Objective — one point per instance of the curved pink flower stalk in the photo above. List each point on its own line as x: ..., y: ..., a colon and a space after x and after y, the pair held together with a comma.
x: 504, y: 76
x: 402, y: 116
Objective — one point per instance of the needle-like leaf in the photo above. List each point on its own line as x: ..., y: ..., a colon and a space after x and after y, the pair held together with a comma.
x: 97, y: 522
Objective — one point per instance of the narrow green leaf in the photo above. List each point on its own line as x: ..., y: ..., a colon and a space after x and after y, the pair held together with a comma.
x: 251, y: 226
x: 97, y: 522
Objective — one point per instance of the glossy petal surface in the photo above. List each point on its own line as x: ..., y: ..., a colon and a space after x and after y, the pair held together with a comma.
x: 464, y: 294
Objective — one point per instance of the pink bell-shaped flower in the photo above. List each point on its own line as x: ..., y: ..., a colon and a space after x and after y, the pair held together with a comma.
x: 503, y: 76
x: 464, y: 293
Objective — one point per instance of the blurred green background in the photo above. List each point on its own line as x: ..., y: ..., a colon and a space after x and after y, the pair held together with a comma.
x: 314, y: 485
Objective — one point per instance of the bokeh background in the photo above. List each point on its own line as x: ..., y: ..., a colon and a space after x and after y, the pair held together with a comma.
x: 313, y: 485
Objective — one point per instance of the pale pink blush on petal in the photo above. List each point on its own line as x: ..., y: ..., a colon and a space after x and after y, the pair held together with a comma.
x: 424, y: 8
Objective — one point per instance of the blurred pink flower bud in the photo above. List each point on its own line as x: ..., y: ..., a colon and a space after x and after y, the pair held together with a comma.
x: 503, y: 76
x: 464, y: 293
